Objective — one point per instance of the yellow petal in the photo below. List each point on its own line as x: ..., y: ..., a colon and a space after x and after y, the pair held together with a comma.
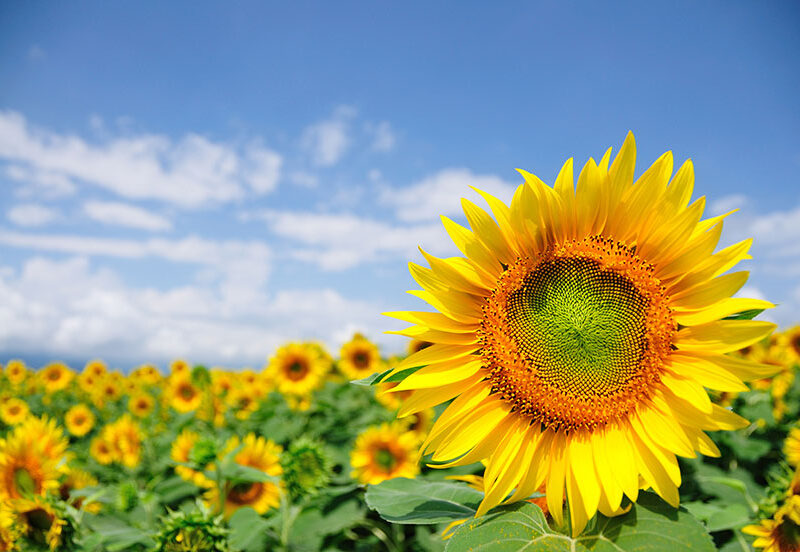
x: 705, y: 372
x: 434, y: 320
x: 690, y: 390
x: 440, y: 373
x: 723, y: 336
x: 435, y: 353
x: 710, y: 292
x: 472, y: 248
x: 719, y: 310
x: 555, y: 478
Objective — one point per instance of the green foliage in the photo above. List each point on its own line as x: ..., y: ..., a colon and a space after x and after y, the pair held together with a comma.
x: 418, y: 501
x: 650, y: 525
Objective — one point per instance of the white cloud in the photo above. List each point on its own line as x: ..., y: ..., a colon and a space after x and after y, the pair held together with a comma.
x: 342, y: 241
x: 383, y: 138
x: 39, y: 183
x: 190, y: 172
x: 727, y: 203
x: 70, y: 309
x: 304, y: 179
x: 327, y: 141
x: 438, y: 194
x: 31, y: 214
x: 124, y: 214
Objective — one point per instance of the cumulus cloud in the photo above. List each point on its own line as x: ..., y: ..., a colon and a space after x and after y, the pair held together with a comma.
x: 438, y: 194
x: 31, y: 214
x: 189, y: 172
x: 342, y: 241
x: 68, y: 308
x: 327, y: 141
x: 35, y: 182
x: 124, y: 214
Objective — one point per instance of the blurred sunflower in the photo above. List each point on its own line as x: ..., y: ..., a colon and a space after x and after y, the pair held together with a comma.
x: 183, y: 395
x: 79, y: 420
x: 9, y: 529
x: 416, y: 345
x: 384, y: 452
x: 16, y: 371
x: 297, y: 369
x: 181, y: 449
x: 141, y: 404
x: 146, y: 374
x: 56, y: 376
x: 221, y: 382
x: 392, y: 401
x: 101, y: 450
x: 179, y: 367
x: 261, y: 454
x: 107, y: 389
x: 74, y: 480
x: 14, y: 411
x: 243, y: 401
x: 791, y: 447
x: 790, y: 339
x: 40, y: 521
x: 781, y: 533
x: 577, y: 337
x: 95, y: 368
x: 125, y: 437
x: 419, y: 422
x: 24, y: 469
x: 43, y: 434
x: 359, y: 358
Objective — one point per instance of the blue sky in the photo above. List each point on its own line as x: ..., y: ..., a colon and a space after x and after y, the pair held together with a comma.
x: 209, y: 180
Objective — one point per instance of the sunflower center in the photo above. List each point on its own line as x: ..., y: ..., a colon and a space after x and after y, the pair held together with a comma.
x: 385, y: 459
x: 244, y: 493
x: 186, y: 392
x: 361, y: 360
x: 297, y: 370
x: 577, y: 338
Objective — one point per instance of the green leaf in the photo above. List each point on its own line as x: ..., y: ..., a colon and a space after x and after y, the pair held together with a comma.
x: 401, y: 375
x: 372, y: 379
x: 174, y: 489
x: 312, y: 526
x: 650, y: 525
x: 718, y: 515
x: 745, y: 315
x: 117, y: 535
x: 421, y: 502
x: 249, y: 531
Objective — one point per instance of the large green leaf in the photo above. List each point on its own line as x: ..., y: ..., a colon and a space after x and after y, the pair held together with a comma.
x: 249, y: 531
x: 421, y: 502
x: 650, y: 525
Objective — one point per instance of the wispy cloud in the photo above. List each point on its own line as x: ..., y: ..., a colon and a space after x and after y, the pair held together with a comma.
x: 342, y: 241
x: 383, y: 137
x: 189, y: 172
x: 438, y: 194
x: 327, y: 141
x: 31, y: 214
x: 124, y: 214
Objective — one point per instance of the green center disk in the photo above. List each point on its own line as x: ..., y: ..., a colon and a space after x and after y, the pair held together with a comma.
x: 581, y: 327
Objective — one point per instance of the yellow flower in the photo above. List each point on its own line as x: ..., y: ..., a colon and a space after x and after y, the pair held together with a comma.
x: 25, y: 470
x: 297, y: 369
x: 40, y: 521
x: 261, y: 454
x: 56, y: 376
x: 44, y: 435
x: 790, y: 340
x: 101, y: 450
x: 416, y: 345
x: 221, y: 382
x: 95, y: 368
x: 146, y: 374
x: 107, y: 389
x: 10, y: 531
x: 79, y: 420
x: 384, y: 452
x: 359, y: 358
x: 13, y: 411
x: 782, y: 532
x: 391, y: 400
x: 243, y: 401
x: 419, y: 423
x: 74, y: 480
x: 183, y: 395
x: 791, y: 447
x: 16, y: 371
x: 577, y: 336
x: 179, y: 367
x: 181, y: 449
x: 141, y: 404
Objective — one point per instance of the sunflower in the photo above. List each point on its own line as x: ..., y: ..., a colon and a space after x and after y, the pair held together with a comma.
x: 578, y: 334
x: 25, y: 469
x: 14, y: 411
x: 390, y: 400
x: 179, y: 367
x: 40, y: 521
x: 181, y: 449
x: 243, y: 401
x: 96, y: 368
x: 183, y: 395
x: 782, y: 532
x: 790, y: 339
x: 125, y: 437
x: 107, y: 389
x: 76, y: 479
x: 359, y: 358
x: 44, y: 435
x: 16, y: 371
x: 221, y: 382
x: 384, y: 452
x: 56, y: 376
x: 101, y: 450
x: 146, y: 374
x: 79, y: 420
x: 416, y: 345
x: 9, y: 529
x: 791, y: 447
x: 297, y: 369
x: 419, y: 422
x: 141, y: 404
x: 261, y: 454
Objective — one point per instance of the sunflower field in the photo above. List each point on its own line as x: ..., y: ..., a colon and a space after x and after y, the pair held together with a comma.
x: 588, y: 379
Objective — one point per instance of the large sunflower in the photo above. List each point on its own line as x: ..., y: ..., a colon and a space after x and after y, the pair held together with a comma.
x: 24, y: 469
x: 297, y: 369
x: 578, y: 334
x: 261, y: 454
